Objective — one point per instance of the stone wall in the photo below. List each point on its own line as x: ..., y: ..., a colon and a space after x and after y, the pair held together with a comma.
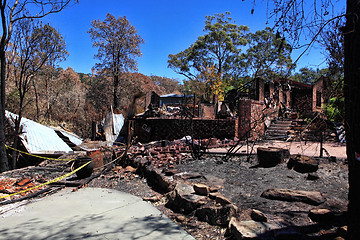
x: 154, y: 129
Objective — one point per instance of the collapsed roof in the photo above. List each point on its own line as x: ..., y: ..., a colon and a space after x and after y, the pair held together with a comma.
x: 43, y: 140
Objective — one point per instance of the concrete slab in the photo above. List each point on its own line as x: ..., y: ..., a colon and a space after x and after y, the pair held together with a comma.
x: 90, y: 213
x: 311, y: 149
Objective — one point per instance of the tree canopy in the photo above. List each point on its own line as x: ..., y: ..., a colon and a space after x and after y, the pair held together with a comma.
x: 220, y: 48
x: 268, y: 55
x: 217, y: 53
x: 118, y: 47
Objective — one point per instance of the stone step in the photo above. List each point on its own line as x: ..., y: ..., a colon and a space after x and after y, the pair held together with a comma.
x: 272, y: 127
x: 276, y: 133
x: 283, y: 121
x: 282, y: 137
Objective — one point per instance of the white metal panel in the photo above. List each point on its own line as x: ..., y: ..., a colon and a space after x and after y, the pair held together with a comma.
x: 39, y: 139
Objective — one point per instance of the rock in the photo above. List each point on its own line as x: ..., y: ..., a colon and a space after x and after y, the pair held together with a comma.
x: 258, y: 216
x: 312, y: 176
x: 152, y: 199
x: 251, y: 229
x: 184, y: 200
x: 170, y: 172
x: 213, y: 189
x: 201, y: 189
x: 325, y: 215
x: 180, y: 218
x: 269, y: 157
x: 303, y: 164
x: 342, y: 231
x: 309, y: 197
x: 219, y: 198
x: 216, y: 215
x: 158, y: 180
x: 130, y: 169
x: 320, y: 215
x: 187, y: 176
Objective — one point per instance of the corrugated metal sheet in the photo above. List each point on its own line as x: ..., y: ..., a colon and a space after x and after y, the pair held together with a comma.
x: 112, y: 125
x: 39, y: 139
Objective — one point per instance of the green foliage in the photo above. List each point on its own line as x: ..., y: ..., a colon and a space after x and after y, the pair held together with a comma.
x: 268, y: 55
x: 335, y: 109
x: 309, y: 75
x: 214, y: 59
x: 220, y: 48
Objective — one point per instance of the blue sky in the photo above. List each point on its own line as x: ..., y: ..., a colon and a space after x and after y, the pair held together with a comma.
x: 167, y: 27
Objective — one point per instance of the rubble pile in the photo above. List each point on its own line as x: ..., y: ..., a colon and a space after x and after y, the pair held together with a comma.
x: 162, y: 154
x: 11, y: 185
x: 24, y: 181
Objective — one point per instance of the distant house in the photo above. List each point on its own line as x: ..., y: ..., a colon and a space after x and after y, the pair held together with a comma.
x: 172, y: 99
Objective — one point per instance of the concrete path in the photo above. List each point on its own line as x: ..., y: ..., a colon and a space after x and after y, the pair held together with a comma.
x: 90, y: 213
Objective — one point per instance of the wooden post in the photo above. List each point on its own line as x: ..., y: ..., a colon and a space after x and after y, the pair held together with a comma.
x: 321, y: 144
x: 93, y: 131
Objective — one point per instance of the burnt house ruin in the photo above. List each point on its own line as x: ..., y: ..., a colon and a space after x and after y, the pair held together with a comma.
x: 245, y: 113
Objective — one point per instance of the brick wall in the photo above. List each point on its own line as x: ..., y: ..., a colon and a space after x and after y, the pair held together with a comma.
x: 317, y: 91
x: 251, y: 120
x: 207, y: 111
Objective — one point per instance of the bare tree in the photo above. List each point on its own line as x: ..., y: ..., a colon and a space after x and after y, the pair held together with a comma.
x: 12, y: 11
x: 118, y: 46
x: 34, y: 45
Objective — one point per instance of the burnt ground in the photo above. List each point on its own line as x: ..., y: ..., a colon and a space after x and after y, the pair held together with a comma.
x: 242, y: 181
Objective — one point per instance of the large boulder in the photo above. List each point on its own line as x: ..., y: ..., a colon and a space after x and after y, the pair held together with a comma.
x: 303, y: 164
x: 219, y: 198
x: 201, y: 189
x: 309, y: 197
x: 324, y: 215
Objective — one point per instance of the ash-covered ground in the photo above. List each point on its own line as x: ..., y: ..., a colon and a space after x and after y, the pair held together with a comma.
x: 243, y: 182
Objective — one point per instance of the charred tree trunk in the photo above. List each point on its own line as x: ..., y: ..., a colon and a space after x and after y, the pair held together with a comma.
x: 352, y: 113
x: 116, y: 86
x: 4, y: 164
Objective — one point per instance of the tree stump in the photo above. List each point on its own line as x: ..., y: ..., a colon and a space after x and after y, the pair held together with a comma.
x: 270, y: 157
x: 303, y: 164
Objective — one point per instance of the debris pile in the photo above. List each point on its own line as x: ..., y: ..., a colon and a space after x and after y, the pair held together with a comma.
x: 9, y: 186
x: 167, y: 154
